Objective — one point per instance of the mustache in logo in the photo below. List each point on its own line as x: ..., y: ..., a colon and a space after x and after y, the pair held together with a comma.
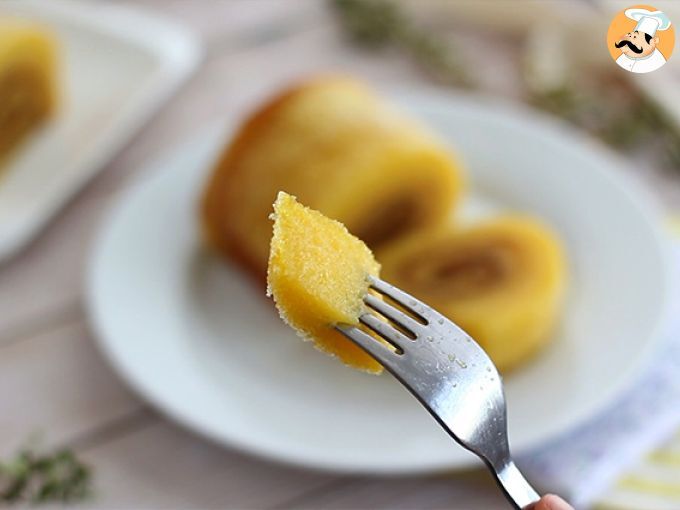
x: 626, y: 42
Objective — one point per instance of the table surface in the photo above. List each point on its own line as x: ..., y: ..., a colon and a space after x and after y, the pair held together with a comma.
x: 56, y: 384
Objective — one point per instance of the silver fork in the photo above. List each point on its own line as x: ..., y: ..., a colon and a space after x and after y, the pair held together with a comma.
x: 449, y: 373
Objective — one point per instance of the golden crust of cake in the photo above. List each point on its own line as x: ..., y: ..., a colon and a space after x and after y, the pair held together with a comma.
x: 317, y: 275
x: 502, y: 281
x: 28, y: 68
x: 341, y: 150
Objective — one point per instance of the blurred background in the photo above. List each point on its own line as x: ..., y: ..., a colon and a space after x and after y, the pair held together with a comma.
x: 61, y: 405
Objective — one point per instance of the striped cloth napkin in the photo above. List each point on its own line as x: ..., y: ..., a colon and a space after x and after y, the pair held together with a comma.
x: 628, y: 457
x: 653, y: 483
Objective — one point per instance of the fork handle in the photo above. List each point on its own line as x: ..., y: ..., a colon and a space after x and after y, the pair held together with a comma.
x: 516, y: 488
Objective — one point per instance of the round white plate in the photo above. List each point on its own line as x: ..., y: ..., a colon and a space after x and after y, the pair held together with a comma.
x: 201, y: 342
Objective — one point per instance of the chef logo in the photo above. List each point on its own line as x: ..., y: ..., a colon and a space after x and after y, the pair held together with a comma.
x: 641, y: 39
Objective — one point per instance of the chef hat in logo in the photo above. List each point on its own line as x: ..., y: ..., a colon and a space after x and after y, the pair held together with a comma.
x: 649, y: 21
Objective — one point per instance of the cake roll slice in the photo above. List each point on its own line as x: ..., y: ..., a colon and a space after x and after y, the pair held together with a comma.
x: 341, y: 150
x: 502, y: 281
x: 27, y: 81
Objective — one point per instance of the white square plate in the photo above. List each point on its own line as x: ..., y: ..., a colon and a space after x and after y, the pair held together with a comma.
x: 118, y: 66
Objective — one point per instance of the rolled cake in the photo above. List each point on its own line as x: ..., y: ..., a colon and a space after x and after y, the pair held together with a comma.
x: 502, y: 281
x: 27, y: 80
x: 318, y: 274
x: 342, y: 151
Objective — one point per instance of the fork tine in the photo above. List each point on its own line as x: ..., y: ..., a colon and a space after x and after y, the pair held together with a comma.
x: 394, y: 314
x: 381, y: 352
x: 382, y: 328
x: 404, y: 299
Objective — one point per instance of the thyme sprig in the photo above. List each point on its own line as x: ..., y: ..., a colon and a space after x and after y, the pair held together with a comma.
x: 42, y: 478
x: 618, y: 115
x: 379, y: 24
x: 612, y: 111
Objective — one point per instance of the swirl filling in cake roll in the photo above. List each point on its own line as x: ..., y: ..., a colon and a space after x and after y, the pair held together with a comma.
x: 27, y: 81
x: 341, y: 150
x: 502, y: 281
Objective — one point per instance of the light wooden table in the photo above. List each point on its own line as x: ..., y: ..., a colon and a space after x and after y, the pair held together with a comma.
x: 53, y: 380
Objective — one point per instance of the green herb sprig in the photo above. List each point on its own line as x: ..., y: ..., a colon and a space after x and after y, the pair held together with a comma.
x: 380, y: 24
x: 612, y: 111
x: 37, y: 478
x: 618, y: 115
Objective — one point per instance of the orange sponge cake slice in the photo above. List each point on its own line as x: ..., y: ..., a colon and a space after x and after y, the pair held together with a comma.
x: 318, y: 274
x: 502, y: 281
x: 27, y: 81
x: 342, y: 150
